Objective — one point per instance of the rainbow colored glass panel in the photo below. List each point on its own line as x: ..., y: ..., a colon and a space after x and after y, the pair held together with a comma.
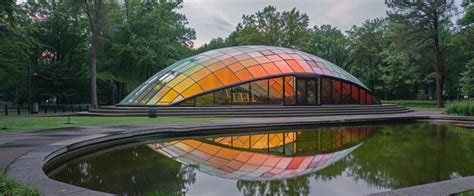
x: 221, y: 68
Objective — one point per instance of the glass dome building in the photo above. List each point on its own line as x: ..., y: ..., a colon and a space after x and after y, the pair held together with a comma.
x: 250, y: 75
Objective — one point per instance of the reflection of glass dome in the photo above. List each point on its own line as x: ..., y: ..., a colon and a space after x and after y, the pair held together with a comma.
x: 227, y: 67
x: 280, y: 160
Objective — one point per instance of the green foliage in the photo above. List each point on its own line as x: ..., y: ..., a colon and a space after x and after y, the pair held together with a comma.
x: 328, y: 43
x: 271, y: 27
x: 412, y: 103
x: 467, y: 80
x: 11, y: 187
x: 463, y: 108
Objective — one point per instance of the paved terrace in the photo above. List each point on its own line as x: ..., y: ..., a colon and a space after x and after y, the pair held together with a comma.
x: 24, y: 154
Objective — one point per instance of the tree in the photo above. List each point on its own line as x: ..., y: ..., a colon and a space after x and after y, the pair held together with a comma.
x: 329, y: 43
x: 366, y: 43
x: 270, y: 27
x: 426, y: 19
x: 94, y: 10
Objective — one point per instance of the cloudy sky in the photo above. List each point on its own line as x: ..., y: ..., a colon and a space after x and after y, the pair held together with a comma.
x: 217, y: 18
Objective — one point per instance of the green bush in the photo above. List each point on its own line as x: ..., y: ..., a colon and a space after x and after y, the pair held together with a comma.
x: 464, y: 108
x: 412, y: 103
x: 11, y: 187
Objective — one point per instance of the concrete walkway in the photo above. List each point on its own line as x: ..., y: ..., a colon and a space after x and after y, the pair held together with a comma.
x: 24, y: 154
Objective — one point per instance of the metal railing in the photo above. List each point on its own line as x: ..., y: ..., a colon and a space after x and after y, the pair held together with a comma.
x: 8, y: 110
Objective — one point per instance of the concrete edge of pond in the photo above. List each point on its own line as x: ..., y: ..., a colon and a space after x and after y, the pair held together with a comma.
x: 28, y: 167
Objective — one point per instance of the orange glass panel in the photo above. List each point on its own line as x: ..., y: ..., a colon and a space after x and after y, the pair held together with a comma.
x: 226, y: 76
x: 184, y: 85
x: 236, y: 67
x: 249, y: 63
x: 289, y: 90
x: 274, y: 58
x: 295, y: 66
x: 216, y: 66
x: 262, y: 60
x: 168, y: 97
x: 200, y: 74
x: 284, y: 68
x: 305, y: 66
x: 257, y: 71
x: 244, y: 75
x: 285, y: 56
x: 193, y: 90
x: 209, y: 82
x: 271, y: 68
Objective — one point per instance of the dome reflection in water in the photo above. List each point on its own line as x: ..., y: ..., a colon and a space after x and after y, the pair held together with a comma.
x: 328, y: 161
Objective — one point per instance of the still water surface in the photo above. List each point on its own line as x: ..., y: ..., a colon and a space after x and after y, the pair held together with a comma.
x: 296, y: 161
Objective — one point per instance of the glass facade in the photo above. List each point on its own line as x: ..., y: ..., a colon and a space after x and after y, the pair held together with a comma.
x: 216, y: 69
x: 286, y: 90
x: 266, y: 156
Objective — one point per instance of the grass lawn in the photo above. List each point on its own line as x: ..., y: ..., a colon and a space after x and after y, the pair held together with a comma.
x: 10, y: 187
x: 30, y: 123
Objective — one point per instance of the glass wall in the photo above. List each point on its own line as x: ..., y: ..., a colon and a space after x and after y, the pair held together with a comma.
x: 259, y: 92
x: 354, y: 94
x: 325, y: 91
x: 336, y: 92
x: 275, y: 90
x: 241, y: 94
x: 346, y: 93
x: 287, y: 89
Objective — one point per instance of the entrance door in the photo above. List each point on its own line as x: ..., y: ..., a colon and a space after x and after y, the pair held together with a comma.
x: 306, y: 91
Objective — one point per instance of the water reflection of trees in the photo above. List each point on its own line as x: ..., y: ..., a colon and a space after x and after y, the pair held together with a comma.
x: 132, y: 171
x: 293, y: 186
x: 395, y: 156
x: 406, y: 155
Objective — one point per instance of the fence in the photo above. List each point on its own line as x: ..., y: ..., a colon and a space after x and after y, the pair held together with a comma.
x: 42, y: 109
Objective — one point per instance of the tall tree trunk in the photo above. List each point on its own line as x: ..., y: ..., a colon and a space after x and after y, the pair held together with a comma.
x: 438, y: 68
x: 94, y: 24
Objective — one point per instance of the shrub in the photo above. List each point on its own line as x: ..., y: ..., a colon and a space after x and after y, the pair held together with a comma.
x: 412, y: 103
x: 11, y: 187
x: 464, y: 108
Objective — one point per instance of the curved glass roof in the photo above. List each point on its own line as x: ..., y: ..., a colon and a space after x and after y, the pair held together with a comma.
x: 225, y: 67
x: 245, y: 165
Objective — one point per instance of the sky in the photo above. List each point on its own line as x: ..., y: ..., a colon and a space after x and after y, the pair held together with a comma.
x: 218, y: 18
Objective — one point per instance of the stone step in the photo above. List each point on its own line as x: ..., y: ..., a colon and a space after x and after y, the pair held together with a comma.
x: 258, y: 114
x: 257, y: 109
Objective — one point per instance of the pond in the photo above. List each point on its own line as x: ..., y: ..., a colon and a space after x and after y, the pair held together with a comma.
x: 350, y: 160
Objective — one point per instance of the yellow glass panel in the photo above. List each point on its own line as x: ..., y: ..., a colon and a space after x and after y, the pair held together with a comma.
x: 158, y: 95
x: 209, y: 82
x: 169, y: 97
x: 249, y: 62
x: 271, y: 68
x: 226, y: 76
x: 216, y: 66
x: 244, y: 75
x: 257, y: 71
x: 177, y: 80
x: 184, y: 85
x: 200, y: 74
x: 193, y: 69
x: 178, y: 99
x: 191, y: 91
